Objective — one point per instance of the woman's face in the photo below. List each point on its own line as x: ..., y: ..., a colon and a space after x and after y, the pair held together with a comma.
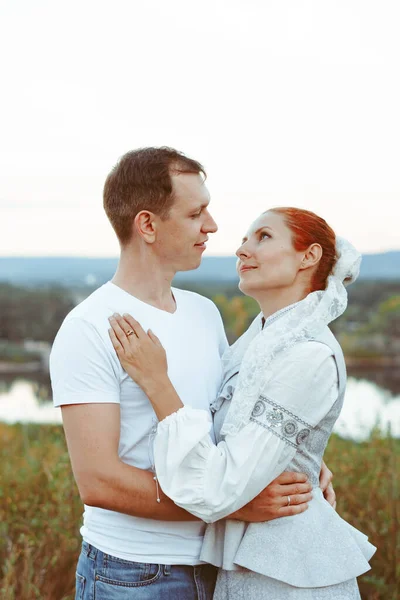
x: 266, y: 258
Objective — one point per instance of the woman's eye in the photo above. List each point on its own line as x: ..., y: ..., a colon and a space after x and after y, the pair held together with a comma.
x: 263, y: 235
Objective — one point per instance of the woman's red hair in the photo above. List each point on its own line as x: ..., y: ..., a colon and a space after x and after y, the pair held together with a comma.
x: 308, y: 228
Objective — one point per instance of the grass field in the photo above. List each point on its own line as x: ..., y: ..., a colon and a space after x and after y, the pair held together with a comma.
x: 40, y: 511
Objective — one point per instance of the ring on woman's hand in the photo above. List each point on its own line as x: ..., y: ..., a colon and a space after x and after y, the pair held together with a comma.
x: 288, y: 500
x: 130, y: 332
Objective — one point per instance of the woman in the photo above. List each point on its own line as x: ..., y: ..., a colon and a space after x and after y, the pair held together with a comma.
x: 284, y: 383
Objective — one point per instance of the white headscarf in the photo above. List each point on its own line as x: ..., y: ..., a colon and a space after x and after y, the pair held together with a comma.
x: 255, y: 349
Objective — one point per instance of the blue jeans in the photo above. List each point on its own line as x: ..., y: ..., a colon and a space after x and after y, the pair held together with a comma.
x: 101, y: 576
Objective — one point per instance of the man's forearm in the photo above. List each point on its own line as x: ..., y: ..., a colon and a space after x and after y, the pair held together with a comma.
x: 103, y: 479
x: 129, y: 490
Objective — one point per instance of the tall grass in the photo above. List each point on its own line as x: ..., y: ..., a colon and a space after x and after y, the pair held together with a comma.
x: 40, y: 511
x: 367, y: 487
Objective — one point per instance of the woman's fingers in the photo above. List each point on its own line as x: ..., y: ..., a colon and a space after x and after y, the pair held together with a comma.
x: 125, y: 326
x: 295, y: 489
x: 135, y: 325
x: 128, y: 324
x: 115, y: 342
x: 154, y: 338
x: 119, y: 333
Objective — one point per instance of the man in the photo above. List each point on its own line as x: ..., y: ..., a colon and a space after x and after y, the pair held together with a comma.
x: 133, y: 535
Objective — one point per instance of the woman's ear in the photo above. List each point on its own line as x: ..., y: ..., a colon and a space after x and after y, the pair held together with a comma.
x: 145, y: 225
x: 311, y: 257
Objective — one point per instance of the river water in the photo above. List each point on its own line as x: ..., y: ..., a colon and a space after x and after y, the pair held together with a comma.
x: 372, y: 398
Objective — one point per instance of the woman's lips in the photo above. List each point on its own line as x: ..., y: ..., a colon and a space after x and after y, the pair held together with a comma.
x: 245, y: 268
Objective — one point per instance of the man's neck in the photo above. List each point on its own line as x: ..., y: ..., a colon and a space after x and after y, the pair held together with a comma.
x: 146, y: 280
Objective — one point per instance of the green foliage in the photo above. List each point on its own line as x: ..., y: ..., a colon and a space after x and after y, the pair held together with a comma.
x: 15, y: 353
x: 366, y: 330
x: 366, y: 299
x: 375, y: 337
x: 40, y: 510
x: 237, y: 314
x: 369, y: 294
x: 34, y: 314
x: 367, y: 488
x: 387, y: 318
x: 37, y: 313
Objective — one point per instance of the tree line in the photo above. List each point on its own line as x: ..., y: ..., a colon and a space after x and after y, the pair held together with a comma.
x: 32, y: 313
x: 37, y: 313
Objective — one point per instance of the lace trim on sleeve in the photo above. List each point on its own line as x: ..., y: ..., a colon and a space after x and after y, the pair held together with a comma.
x: 281, y: 422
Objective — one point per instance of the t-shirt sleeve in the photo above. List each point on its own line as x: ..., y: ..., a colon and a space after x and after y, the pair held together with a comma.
x: 81, y: 366
x: 222, y: 339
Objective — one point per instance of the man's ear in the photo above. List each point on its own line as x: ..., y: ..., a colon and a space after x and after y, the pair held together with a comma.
x: 311, y: 257
x: 145, y: 225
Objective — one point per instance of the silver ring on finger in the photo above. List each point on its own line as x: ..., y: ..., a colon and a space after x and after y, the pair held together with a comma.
x: 288, y: 501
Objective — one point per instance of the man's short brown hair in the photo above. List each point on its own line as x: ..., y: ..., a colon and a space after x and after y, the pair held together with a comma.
x: 141, y: 180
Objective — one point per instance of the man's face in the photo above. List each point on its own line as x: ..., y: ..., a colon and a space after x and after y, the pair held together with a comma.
x: 181, y: 238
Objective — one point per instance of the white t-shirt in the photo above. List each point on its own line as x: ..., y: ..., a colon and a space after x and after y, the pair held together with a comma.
x: 85, y: 368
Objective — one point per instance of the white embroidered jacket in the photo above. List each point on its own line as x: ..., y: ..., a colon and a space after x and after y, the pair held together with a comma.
x: 288, y: 430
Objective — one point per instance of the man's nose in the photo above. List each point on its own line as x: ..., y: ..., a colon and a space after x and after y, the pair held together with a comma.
x: 210, y: 225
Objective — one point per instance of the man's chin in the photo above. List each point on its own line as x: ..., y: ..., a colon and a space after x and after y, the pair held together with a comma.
x: 190, y: 265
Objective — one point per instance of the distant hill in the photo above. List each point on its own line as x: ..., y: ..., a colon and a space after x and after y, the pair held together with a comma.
x: 95, y: 271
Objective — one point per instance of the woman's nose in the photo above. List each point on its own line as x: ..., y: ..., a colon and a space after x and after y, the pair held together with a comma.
x: 243, y: 251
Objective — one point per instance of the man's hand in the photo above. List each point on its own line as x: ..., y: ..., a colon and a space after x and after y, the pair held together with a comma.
x: 272, y: 502
x: 325, y: 483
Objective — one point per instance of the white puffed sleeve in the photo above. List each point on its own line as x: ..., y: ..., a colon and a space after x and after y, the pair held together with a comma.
x: 212, y: 481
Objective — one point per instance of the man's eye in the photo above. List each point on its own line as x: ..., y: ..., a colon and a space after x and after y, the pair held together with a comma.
x: 196, y: 215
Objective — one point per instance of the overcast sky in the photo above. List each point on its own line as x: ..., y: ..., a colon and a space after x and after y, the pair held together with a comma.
x: 285, y: 102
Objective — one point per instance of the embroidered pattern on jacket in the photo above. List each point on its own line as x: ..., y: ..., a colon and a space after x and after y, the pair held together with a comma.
x: 281, y: 422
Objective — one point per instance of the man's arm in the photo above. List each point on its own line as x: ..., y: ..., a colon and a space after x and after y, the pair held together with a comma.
x: 92, y: 432
x: 85, y: 381
x: 272, y: 502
